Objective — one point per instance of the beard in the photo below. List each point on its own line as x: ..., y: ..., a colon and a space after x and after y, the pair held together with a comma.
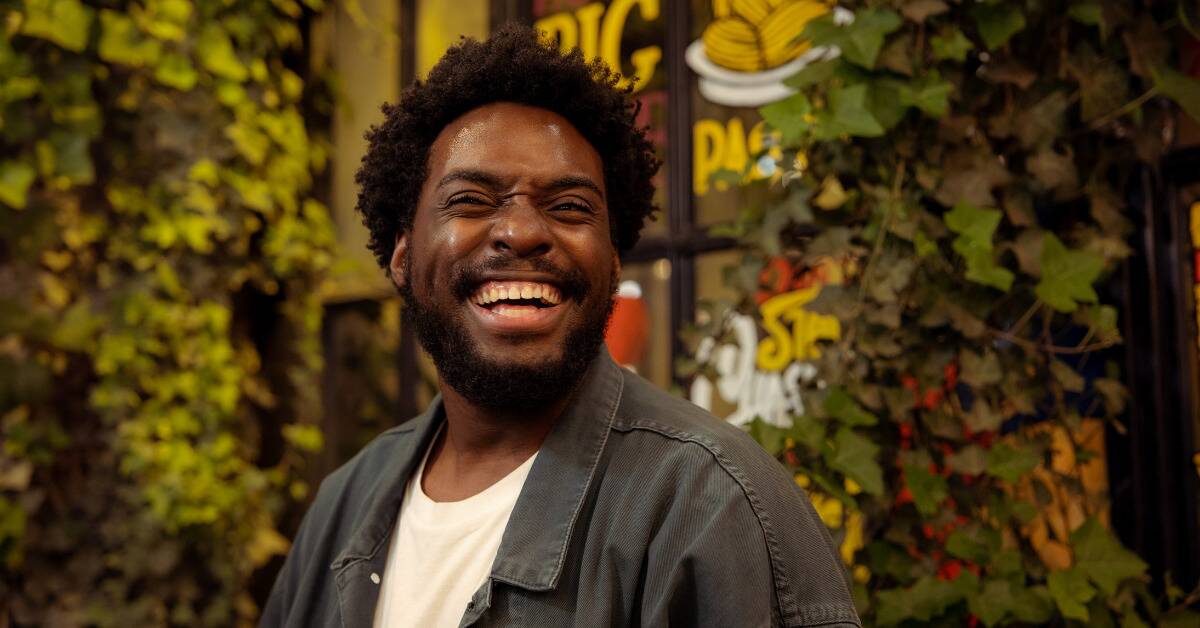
x: 497, y: 385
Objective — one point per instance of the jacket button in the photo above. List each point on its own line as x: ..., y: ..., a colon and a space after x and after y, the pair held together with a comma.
x: 375, y: 577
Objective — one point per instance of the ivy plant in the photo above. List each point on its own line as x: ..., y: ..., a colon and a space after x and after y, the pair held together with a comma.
x: 156, y: 176
x: 967, y: 165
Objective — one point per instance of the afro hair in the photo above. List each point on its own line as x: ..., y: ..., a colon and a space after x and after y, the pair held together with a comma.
x: 513, y: 65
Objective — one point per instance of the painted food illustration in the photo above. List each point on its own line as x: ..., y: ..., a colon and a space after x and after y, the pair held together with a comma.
x: 751, y: 46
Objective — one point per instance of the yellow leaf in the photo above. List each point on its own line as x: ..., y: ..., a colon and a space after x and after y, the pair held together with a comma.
x: 832, y: 195
x: 55, y: 292
x: 267, y: 542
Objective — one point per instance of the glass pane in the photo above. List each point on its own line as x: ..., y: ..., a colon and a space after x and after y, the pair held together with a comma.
x: 441, y: 23
x: 363, y: 49
x: 711, y: 287
x: 639, y: 334
x: 739, y: 55
x: 629, y: 36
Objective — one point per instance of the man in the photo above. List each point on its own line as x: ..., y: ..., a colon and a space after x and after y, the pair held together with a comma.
x: 545, y: 486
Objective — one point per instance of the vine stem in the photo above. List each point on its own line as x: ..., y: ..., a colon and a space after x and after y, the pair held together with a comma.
x: 1124, y: 109
x: 1020, y: 324
x: 1050, y: 348
x: 876, y: 252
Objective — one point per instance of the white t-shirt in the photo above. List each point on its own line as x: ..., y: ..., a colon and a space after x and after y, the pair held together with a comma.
x: 442, y: 552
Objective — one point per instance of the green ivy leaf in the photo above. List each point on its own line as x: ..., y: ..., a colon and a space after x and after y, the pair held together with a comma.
x: 64, y: 22
x: 1102, y: 558
x: 1067, y: 275
x: 304, y: 437
x: 998, y: 22
x: 841, y: 406
x: 1071, y: 592
x: 859, y: 41
x: 970, y: 460
x: 770, y: 437
x: 980, y: 369
x: 1033, y: 605
x: 1181, y: 88
x: 950, y: 44
x: 122, y: 42
x: 216, y: 54
x: 993, y: 603
x: 975, y: 543
x: 930, y: 94
x: 928, y: 490
x: 854, y: 455
x: 926, y: 599
x: 15, y: 179
x: 813, y: 73
x: 1010, y: 463
x: 176, y: 71
x: 789, y: 117
x: 848, y: 114
x: 1066, y: 376
x: 975, y: 227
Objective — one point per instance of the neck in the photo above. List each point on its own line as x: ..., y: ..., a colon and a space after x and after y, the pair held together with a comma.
x: 474, y: 432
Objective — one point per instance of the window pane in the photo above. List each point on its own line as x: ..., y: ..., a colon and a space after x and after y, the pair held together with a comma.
x: 629, y: 38
x: 639, y: 335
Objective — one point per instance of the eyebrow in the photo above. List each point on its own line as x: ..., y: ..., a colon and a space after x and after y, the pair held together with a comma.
x: 494, y: 182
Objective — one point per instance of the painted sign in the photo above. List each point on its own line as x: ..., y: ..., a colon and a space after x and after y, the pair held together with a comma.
x: 763, y: 377
x: 750, y: 47
x: 597, y: 29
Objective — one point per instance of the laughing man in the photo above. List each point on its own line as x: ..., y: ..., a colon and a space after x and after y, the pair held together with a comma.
x: 545, y: 486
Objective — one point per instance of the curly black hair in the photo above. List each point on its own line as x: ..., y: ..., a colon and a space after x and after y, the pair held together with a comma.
x: 513, y: 65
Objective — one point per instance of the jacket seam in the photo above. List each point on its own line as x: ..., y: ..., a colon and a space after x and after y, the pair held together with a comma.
x: 823, y: 613
x: 562, y: 554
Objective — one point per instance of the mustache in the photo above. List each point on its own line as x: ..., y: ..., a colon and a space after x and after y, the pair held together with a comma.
x: 572, y: 283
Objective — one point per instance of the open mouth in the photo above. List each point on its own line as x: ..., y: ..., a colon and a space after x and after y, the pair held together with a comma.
x: 517, y: 299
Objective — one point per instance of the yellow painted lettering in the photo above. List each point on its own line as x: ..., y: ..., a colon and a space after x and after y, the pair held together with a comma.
x: 645, y: 60
x: 783, y: 346
x: 589, y: 30
x: 735, y: 145
x: 708, y: 152
x: 560, y: 26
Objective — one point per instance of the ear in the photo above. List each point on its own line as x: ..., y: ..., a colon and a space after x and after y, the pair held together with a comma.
x: 399, y: 259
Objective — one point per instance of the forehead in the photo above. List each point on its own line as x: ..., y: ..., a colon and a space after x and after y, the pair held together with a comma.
x: 509, y: 139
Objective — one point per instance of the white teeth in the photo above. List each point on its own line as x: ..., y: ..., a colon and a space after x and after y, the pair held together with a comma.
x: 490, y: 294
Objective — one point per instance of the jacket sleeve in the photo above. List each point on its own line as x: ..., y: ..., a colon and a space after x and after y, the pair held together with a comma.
x: 741, y: 550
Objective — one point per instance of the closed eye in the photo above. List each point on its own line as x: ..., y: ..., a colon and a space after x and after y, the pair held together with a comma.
x: 572, y: 206
x: 467, y: 199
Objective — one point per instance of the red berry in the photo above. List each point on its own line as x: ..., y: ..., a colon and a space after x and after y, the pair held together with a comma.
x: 973, y: 568
x: 909, y: 382
x: 904, y: 497
x: 952, y: 569
x: 927, y: 530
x: 936, y: 555
x: 972, y: 621
x: 905, y: 430
x: 791, y: 458
x: 968, y: 433
x: 961, y: 520
x: 933, y: 397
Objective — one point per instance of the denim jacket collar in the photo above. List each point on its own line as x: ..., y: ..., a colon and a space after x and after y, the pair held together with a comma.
x: 539, y: 530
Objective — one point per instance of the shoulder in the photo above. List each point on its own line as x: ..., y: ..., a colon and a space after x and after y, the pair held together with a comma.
x: 701, y: 457
x: 730, y: 450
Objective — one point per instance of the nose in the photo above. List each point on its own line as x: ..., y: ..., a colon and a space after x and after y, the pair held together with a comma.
x: 520, y: 229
